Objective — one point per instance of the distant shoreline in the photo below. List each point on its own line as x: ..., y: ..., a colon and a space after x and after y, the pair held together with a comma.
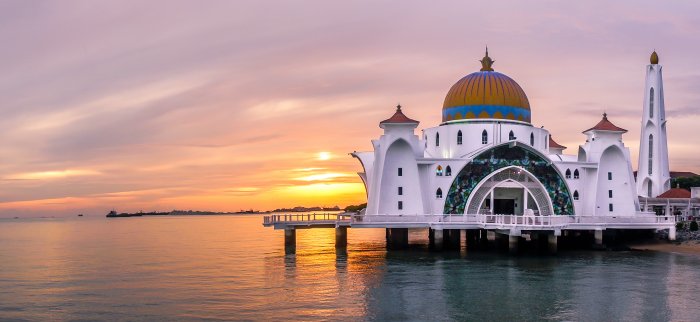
x: 210, y: 213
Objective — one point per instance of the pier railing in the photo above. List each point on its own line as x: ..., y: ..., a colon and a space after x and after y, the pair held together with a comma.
x: 305, y: 218
x: 484, y: 220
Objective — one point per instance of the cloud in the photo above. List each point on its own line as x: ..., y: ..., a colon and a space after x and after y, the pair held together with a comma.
x: 189, y: 105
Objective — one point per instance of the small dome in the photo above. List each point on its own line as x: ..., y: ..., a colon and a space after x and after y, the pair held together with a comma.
x: 654, y: 59
x: 486, y: 94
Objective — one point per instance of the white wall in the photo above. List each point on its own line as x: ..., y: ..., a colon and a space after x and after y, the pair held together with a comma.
x: 624, y: 195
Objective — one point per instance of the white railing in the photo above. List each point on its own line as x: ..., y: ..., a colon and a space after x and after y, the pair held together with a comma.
x: 642, y: 219
x: 305, y: 218
x: 477, y: 219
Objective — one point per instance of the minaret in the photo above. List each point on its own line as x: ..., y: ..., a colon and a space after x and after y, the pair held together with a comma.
x: 653, y: 176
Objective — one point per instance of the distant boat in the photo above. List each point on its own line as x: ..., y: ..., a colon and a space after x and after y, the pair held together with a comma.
x: 80, y: 215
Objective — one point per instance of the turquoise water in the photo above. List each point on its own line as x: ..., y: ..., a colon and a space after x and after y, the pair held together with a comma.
x: 231, y: 268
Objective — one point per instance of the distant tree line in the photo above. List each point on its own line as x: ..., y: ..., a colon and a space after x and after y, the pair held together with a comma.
x: 685, y: 182
x: 356, y: 208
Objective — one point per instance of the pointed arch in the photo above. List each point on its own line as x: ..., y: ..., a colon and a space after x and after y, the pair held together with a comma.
x: 438, y: 193
x: 437, y: 139
x: 448, y: 171
x: 576, y: 174
x: 484, y: 137
x: 575, y: 194
x: 568, y: 174
x: 511, y: 136
x: 438, y: 171
x: 459, y: 137
x: 532, y: 139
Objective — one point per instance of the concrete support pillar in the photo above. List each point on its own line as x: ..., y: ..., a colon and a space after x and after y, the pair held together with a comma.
x: 491, y: 235
x: 672, y: 233
x: 552, y: 243
x: 472, y: 239
x: 599, y: 237
x: 290, y: 240
x: 398, y: 238
x: 455, y: 239
x: 431, y: 238
x: 438, y: 239
x: 341, y: 237
x: 513, y: 244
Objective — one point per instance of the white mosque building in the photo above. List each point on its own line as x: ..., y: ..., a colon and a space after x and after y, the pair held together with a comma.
x: 486, y: 158
x: 487, y: 171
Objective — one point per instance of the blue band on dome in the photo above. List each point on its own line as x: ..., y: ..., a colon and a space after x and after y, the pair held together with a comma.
x: 517, y: 113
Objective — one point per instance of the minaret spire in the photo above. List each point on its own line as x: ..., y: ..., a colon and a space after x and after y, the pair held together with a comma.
x: 487, y: 62
x: 653, y: 177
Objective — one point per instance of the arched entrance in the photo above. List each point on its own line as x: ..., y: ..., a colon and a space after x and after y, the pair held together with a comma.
x: 510, y: 191
x: 491, y: 161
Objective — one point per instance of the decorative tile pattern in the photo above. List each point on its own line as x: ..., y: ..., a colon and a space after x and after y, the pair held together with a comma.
x: 505, y: 156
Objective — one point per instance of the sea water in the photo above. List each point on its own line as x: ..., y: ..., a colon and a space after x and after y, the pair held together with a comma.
x: 231, y: 268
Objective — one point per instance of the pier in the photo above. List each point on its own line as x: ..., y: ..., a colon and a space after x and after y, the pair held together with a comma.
x: 445, y: 231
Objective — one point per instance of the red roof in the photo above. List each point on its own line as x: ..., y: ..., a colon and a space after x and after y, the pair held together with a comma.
x: 398, y: 117
x: 675, y: 193
x: 555, y: 145
x: 605, y: 125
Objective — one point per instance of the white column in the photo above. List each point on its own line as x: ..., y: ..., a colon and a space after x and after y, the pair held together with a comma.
x: 672, y: 233
x: 492, y: 207
x: 598, y: 237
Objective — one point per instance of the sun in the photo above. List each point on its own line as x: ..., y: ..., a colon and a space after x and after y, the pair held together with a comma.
x: 323, y: 156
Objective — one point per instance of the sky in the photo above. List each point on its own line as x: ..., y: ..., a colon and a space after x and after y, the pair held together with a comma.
x: 230, y: 105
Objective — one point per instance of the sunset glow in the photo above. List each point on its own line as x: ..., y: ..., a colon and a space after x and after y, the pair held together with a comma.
x: 213, y: 108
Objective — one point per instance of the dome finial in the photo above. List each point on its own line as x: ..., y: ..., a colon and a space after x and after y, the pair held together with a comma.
x: 398, y: 107
x: 487, y: 62
x: 654, y: 59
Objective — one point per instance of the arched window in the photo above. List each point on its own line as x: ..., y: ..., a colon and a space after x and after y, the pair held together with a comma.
x: 448, y: 171
x: 576, y: 176
x: 437, y: 139
x: 438, y: 172
x: 651, y: 150
x: 568, y: 174
x: 459, y: 137
x: 532, y: 139
x: 511, y: 136
x: 651, y: 102
x: 484, y: 137
x: 438, y: 193
x: 576, y: 195
x: 649, y: 190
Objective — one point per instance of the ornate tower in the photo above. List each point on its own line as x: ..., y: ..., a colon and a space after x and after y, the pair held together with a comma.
x: 653, y: 176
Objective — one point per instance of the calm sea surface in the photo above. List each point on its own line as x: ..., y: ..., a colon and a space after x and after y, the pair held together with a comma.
x: 231, y: 268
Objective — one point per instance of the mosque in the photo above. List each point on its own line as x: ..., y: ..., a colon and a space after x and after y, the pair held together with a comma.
x: 487, y: 171
x: 486, y: 157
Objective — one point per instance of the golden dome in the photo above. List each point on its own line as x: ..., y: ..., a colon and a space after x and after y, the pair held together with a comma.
x: 654, y: 59
x: 486, y: 94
